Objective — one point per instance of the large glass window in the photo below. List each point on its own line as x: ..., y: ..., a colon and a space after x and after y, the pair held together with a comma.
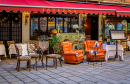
x: 51, y: 24
x: 34, y: 28
x: 43, y: 25
x: 74, y: 24
x: 66, y: 25
x: 59, y: 23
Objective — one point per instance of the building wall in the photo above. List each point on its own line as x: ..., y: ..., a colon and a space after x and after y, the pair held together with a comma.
x: 25, y: 29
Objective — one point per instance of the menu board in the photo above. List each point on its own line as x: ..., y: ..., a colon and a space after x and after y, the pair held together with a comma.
x: 117, y: 35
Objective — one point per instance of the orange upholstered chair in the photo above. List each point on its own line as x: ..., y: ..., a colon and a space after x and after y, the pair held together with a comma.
x: 89, y: 46
x: 71, y: 56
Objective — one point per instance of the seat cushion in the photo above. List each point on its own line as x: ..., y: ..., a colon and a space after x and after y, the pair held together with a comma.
x: 53, y: 55
x: 33, y: 55
x: 24, y: 58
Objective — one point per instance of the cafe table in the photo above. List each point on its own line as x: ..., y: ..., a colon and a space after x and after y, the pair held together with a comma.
x: 40, y: 52
x: 111, y: 50
x: 2, y: 50
x: 22, y: 49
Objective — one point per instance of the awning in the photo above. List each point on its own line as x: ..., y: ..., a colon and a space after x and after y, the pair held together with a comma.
x: 52, y: 6
x: 65, y: 7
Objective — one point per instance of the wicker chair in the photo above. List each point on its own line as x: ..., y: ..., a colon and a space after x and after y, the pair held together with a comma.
x: 1, y: 42
x: 32, y: 53
x: 22, y: 58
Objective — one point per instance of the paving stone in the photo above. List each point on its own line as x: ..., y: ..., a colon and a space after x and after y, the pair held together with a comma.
x: 55, y: 75
x: 2, y: 80
x: 42, y: 81
x: 76, y: 79
x: 33, y: 82
x: 13, y: 80
x: 65, y: 74
x: 45, y: 76
x: 18, y: 82
x: 4, y: 83
x: 70, y: 82
x: 86, y: 82
x: 27, y: 80
x: 9, y: 77
x: 22, y: 76
x: 54, y: 81
x: 33, y: 76
x: 62, y: 79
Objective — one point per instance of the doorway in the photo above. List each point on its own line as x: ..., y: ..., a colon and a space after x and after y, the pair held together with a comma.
x: 94, y: 26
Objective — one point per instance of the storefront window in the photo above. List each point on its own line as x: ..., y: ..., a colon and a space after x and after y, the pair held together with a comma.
x: 66, y: 25
x: 59, y: 23
x: 118, y: 26
x: 43, y: 25
x: 51, y: 24
x: 74, y: 24
x: 34, y: 28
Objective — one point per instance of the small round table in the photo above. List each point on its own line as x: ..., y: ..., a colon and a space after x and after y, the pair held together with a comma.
x: 40, y: 52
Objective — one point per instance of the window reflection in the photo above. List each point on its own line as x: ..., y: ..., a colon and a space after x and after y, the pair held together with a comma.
x: 51, y: 24
x: 66, y: 25
x: 59, y: 23
x: 43, y: 25
x: 34, y: 28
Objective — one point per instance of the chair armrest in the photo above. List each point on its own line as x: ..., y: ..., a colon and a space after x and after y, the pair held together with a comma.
x: 101, y: 51
x: 69, y: 53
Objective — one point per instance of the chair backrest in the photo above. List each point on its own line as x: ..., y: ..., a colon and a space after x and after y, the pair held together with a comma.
x: 90, y: 43
x: 1, y: 42
x: 57, y: 48
x: 66, y: 46
x: 10, y: 42
x: 31, y: 47
x: 17, y: 51
x: 34, y: 42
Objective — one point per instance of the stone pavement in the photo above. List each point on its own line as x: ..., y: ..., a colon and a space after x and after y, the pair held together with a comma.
x: 110, y: 72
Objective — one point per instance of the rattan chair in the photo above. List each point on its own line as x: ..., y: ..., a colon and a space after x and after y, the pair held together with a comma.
x: 1, y: 42
x: 22, y: 58
x: 32, y: 53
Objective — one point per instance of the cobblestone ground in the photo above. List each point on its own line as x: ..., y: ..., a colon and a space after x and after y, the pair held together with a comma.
x: 110, y: 72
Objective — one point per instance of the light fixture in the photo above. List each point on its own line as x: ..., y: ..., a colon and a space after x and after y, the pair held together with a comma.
x: 104, y: 17
x: 26, y: 17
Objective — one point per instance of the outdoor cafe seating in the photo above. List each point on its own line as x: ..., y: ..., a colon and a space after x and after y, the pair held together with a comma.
x: 71, y: 56
x: 90, y: 46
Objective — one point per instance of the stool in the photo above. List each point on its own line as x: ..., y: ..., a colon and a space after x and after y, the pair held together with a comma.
x: 54, y: 56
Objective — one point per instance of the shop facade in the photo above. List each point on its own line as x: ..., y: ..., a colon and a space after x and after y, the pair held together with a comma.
x: 24, y: 23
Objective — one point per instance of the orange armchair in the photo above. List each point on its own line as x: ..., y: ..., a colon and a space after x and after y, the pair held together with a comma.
x: 71, y: 56
x: 100, y: 55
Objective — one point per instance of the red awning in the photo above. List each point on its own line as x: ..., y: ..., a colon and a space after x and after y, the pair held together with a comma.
x: 53, y: 6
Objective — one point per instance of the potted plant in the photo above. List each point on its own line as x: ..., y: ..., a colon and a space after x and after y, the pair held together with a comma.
x: 52, y: 41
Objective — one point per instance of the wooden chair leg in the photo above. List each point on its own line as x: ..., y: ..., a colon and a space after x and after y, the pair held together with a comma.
x: 46, y: 62
x: 60, y: 62
x: 56, y: 62
x: 53, y: 61
x: 19, y: 65
x: 29, y: 65
x: 10, y: 55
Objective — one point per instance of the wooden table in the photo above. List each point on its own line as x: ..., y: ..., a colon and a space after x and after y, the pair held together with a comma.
x: 40, y: 52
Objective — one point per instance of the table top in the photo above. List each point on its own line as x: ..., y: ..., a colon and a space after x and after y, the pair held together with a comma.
x: 40, y: 49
